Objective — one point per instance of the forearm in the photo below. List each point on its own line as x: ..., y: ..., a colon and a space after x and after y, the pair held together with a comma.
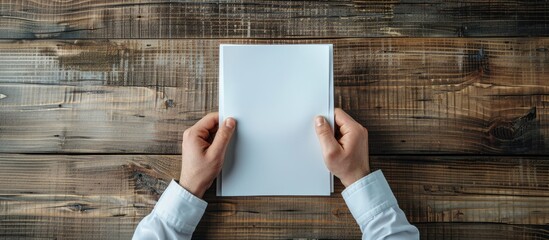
x: 376, y: 211
x: 175, y: 215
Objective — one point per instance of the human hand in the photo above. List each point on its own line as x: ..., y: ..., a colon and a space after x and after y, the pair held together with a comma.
x: 347, y: 155
x: 204, y: 146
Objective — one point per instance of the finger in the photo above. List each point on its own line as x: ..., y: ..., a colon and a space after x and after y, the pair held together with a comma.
x: 328, y: 143
x: 208, y: 122
x: 222, y: 137
x: 344, y: 121
x: 342, y: 118
x: 205, y: 126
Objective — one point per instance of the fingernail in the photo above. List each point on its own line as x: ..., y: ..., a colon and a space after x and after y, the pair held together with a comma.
x: 229, y: 122
x: 319, y: 121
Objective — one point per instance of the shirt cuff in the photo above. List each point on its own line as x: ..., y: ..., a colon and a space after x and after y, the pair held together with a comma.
x: 180, y: 208
x: 369, y: 196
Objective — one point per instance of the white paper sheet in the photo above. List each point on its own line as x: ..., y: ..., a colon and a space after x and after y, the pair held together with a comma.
x: 274, y: 92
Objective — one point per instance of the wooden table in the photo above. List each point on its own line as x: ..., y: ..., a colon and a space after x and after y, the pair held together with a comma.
x: 95, y: 95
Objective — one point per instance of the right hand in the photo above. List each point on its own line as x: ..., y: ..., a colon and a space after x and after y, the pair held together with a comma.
x: 346, y: 156
x: 204, y: 146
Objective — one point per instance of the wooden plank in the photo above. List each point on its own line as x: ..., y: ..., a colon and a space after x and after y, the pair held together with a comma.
x: 105, y: 196
x: 425, y: 95
x: 50, y: 227
x: 481, y: 231
x: 80, y: 196
x: 427, y: 231
x: 270, y: 19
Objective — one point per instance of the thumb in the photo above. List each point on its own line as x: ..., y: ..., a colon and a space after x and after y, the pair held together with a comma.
x: 222, y: 137
x: 325, y: 135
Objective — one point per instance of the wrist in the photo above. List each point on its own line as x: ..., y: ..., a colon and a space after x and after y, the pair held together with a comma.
x: 194, y: 189
x: 352, y: 178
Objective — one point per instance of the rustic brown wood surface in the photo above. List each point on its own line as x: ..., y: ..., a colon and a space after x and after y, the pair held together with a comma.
x: 104, y: 196
x: 421, y: 95
x: 270, y: 19
x: 95, y: 95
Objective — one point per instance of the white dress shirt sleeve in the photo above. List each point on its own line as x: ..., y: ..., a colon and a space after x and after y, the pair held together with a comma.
x: 369, y: 199
x: 376, y: 211
x: 175, y: 215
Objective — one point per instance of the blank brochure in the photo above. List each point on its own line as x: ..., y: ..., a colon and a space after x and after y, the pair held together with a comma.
x: 274, y: 92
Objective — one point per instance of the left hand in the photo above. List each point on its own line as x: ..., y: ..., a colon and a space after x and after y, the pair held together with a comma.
x: 346, y: 156
x: 204, y: 146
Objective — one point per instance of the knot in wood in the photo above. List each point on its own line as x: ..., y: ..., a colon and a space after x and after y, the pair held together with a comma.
x: 77, y: 207
x: 509, y: 130
x: 169, y: 103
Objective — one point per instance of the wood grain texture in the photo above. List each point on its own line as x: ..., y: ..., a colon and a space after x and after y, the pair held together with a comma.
x: 105, y: 196
x: 270, y: 19
x: 421, y: 95
x: 111, y: 89
x: 481, y: 231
